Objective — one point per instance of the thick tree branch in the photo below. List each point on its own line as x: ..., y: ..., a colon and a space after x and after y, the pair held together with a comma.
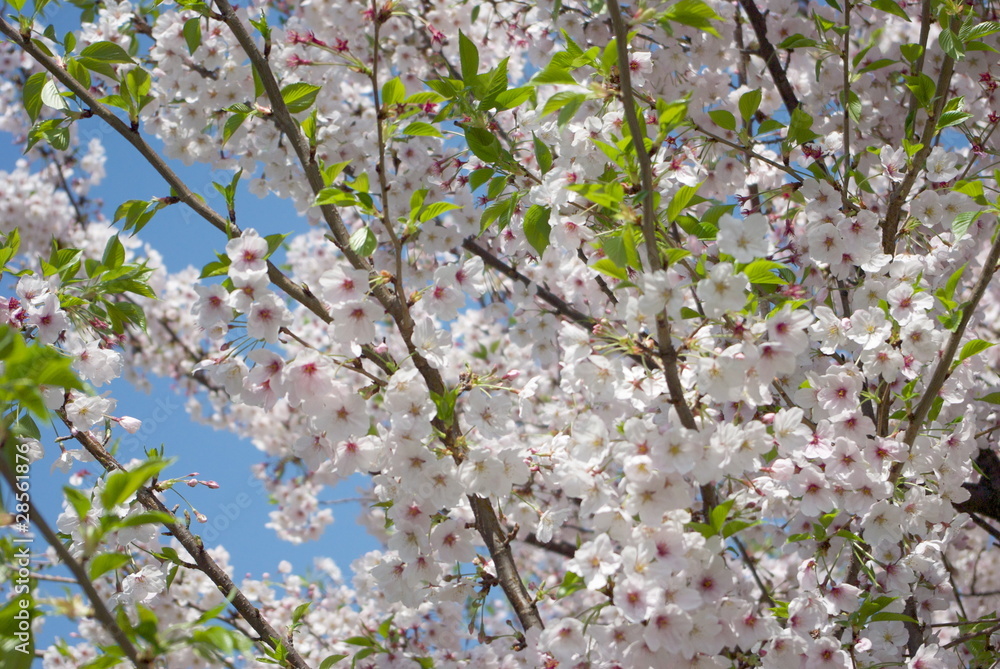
x: 766, y: 51
x: 498, y: 543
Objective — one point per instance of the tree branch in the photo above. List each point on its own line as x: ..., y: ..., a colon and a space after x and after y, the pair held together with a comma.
x: 101, y: 612
x: 766, y: 51
x: 194, y: 546
x: 943, y: 368
x: 487, y: 523
x: 181, y: 191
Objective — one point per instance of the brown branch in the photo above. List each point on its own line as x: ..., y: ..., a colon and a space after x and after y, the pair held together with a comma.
x: 894, y: 212
x: 752, y: 565
x: 181, y: 191
x: 668, y: 354
x: 766, y: 51
x: 559, y: 305
x: 101, y: 612
x: 943, y: 369
x: 972, y: 635
x: 498, y: 543
x: 194, y: 546
x: 564, y: 548
x: 487, y: 523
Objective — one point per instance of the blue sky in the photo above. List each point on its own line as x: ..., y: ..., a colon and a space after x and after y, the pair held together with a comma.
x: 238, y: 510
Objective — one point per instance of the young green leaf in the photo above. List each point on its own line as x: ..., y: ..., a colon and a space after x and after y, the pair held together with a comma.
x: 537, y: 228
x: 299, y: 97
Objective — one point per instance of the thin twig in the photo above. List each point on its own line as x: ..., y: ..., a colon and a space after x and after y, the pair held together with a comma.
x: 749, y: 562
x: 196, y: 548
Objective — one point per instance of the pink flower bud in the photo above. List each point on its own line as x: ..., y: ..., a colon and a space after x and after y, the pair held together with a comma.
x: 129, y: 424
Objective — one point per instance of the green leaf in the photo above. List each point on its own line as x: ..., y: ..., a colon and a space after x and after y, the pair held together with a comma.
x: 877, y: 65
x: 332, y: 660
x: 609, y: 267
x: 556, y: 72
x: 258, y: 83
x: 363, y: 241
x: 233, y: 124
x: 911, y: 51
x: 797, y: 41
x: 560, y: 100
x: 949, y: 42
x: 120, y: 485
x: 359, y: 641
x: 421, y: 129
x: 951, y: 118
x: 680, y: 201
x: 105, y: 562
x: 469, y: 56
x: 963, y: 221
x: 479, y: 177
x: 106, y: 52
x: 80, y: 502
x: 32, y: 94
x: 192, y: 34
x: 145, y: 518
x: 512, y: 98
x: 299, y: 97
x: 749, y: 104
x: 543, y: 155
x: 723, y: 118
x: 968, y: 33
x: 607, y: 195
x: 972, y: 348
x: 114, y: 253
x: 537, y: 228
x: 769, y: 125
x: 734, y: 526
x: 890, y: 7
x: 335, y: 196
x: 719, y: 514
x: 52, y: 131
x: 393, y: 92
x: 483, y: 144
x: 12, y: 613
x: 300, y: 611
x: 435, y: 210
x: 992, y: 398
x: 496, y: 83
x: 693, y: 13
x: 331, y: 172
x: 274, y: 242
x: 763, y: 272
